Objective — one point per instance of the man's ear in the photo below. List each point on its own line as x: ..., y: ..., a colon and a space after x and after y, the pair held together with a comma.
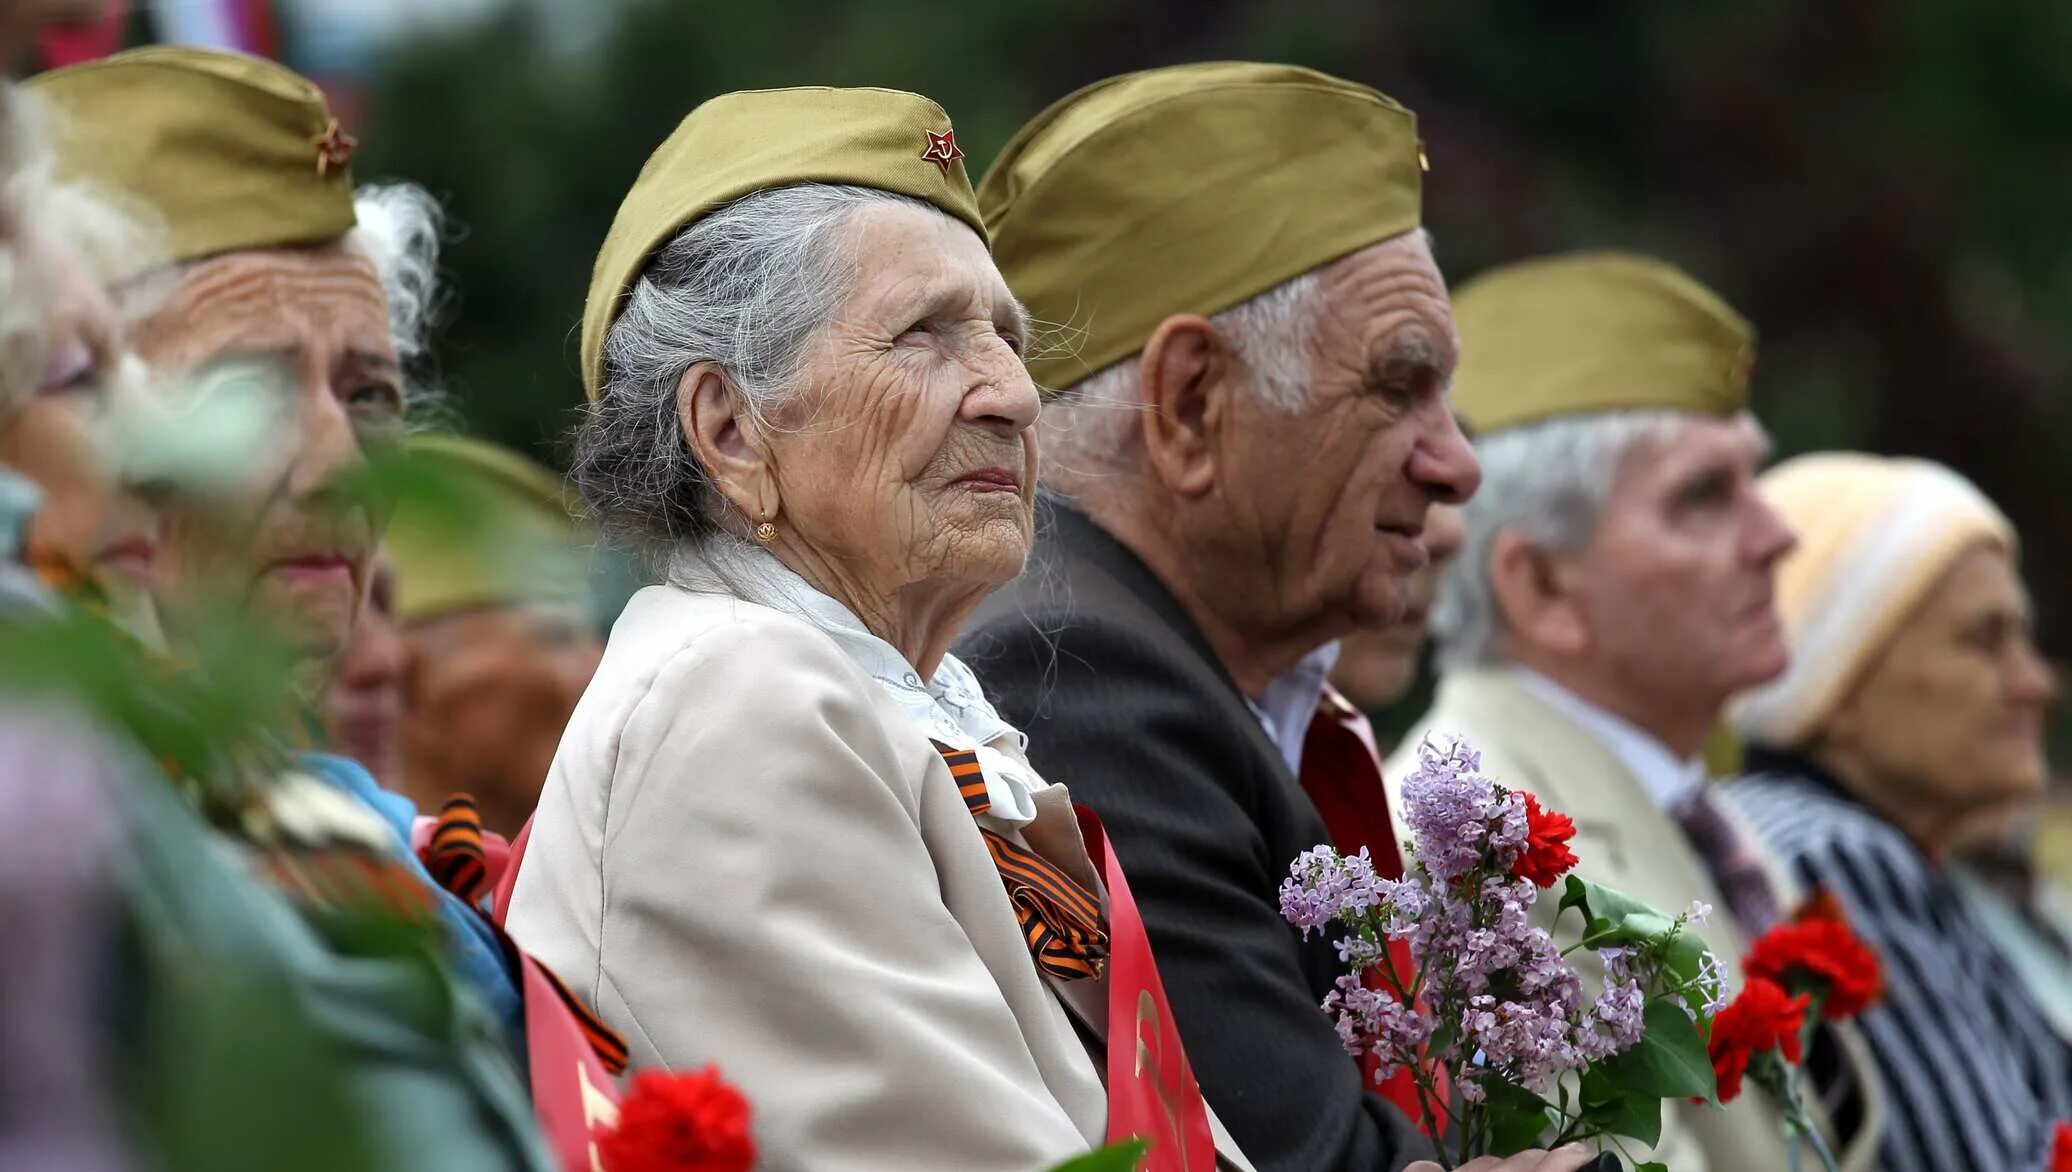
x: 720, y: 432
x: 1533, y: 596
x: 1184, y: 379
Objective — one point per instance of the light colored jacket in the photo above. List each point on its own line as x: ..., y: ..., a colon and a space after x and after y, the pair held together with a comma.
x: 746, y: 854
x: 1624, y: 840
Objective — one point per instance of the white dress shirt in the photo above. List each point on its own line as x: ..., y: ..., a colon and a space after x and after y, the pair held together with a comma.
x: 1668, y: 780
x: 1289, y: 702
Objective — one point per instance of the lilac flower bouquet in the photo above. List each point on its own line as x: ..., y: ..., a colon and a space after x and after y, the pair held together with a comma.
x: 1452, y: 983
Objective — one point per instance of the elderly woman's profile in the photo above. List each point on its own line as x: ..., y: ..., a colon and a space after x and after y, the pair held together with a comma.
x: 785, y: 831
x: 1911, y: 722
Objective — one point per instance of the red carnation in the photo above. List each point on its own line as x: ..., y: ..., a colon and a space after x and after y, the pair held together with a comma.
x: 1546, y: 856
x: 680, y: 1123
x: 1820, y: 946
x: 2061, y: 1149
x: 1761, y: 1018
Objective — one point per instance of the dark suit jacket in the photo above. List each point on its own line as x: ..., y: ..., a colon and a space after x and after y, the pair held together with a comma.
x: 1125, y: 703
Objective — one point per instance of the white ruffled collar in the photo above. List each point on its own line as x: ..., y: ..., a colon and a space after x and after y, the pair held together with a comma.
x: 950, y: 708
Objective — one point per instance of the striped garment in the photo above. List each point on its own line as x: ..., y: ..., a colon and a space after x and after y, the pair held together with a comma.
x: 1978, y: 1078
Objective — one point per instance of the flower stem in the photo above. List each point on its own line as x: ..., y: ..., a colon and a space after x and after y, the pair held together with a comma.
x: 1801, y: 1126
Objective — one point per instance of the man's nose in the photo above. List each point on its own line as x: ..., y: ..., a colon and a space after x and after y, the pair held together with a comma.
x: 1444, y: 463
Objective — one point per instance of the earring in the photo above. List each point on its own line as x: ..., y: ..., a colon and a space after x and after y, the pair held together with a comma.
x: 765, y: 532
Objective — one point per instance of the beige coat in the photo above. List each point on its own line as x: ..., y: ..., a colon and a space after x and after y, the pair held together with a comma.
x: 1625, y: 841
x: 746, y: 854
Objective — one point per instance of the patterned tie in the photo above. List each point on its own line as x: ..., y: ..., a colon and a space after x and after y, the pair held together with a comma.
x: 1738, y: 873
x: 1731, y: 860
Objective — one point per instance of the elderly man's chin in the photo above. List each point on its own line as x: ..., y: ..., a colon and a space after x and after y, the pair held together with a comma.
x: 312, y: 609
x: 1382, y: 594
x: 1759, y: 651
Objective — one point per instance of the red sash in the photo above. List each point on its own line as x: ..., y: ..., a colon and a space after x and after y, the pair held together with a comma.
x: 573, y: 1095
x: 1151, y: 1089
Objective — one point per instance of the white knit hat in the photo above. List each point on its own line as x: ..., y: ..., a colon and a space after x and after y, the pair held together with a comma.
x: 1876, y: 533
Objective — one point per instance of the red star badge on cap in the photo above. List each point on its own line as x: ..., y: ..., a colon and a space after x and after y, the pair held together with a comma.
x: 942, y: 150
x: 334, y: 147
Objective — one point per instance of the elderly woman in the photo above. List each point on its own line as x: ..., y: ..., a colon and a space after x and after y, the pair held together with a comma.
x: 279, y: 281
x: 784, y: 830
x: 1911, y: 717
x: 65, y: 520
x: 65, y: 375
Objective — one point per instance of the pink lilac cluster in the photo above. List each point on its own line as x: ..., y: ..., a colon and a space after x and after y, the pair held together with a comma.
x: 1478, y: 962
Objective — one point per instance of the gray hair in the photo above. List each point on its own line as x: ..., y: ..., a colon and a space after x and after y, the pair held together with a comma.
x: 400, y: 229
x: 1087, y: 433
x: 747, y: 288
x: 1548, y: 482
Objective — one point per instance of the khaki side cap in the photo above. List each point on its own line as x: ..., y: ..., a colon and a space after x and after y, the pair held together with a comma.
x: 491, y: 528
x: 754, y: 140
x: 1595, y: 331
x: 1189, y: 190
x: 224, y: 151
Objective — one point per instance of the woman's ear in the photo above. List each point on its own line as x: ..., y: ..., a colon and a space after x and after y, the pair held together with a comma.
x: 1533, y: 601
x: 1183, y: 380
x: 722, y: 435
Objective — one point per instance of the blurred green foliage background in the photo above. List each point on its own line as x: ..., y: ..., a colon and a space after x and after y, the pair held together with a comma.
x: 1885, y: 186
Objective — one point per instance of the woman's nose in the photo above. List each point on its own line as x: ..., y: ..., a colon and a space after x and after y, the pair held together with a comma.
x: 1006, y: 403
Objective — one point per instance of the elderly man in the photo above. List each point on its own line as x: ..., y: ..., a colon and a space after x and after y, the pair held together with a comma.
x: 296, y: 303
x: 492, y: 590
x: 1613, y: 590
x: 1241, y: 246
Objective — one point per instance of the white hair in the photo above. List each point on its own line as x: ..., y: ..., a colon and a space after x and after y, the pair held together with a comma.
x: 400, y: 228
x: 1548, y: 482
x: 1088, y: 432
x: 105, y: 238
x: 747, y: 288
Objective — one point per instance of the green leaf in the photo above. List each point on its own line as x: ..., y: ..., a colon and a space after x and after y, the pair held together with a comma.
x: 1596, y: 1088
x: 1651, y: 1166
x: 1517, y: 1117
x: 1122, y: 1157
x: 1669, y: 1061
x: 1619, y: 920
x: 1635, y: 1115
x: 1443, y: 1037
x: 1609, y: 1109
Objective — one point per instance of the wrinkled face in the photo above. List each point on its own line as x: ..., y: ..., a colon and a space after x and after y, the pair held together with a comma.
x: 1675, y: 588
x: 304, y: 335
x: 363, y: 707
x: 1950, y: 715
x: 1377, y: 665
x: 1333, y: 498
x: 910, y: 458
x: 490, y: 692
x: 61, y: 437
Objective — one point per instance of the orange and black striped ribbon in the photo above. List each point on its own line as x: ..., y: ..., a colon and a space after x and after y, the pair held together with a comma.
x: 605, y: 1042
x: 456, y: 859
x: 1060, y: 919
